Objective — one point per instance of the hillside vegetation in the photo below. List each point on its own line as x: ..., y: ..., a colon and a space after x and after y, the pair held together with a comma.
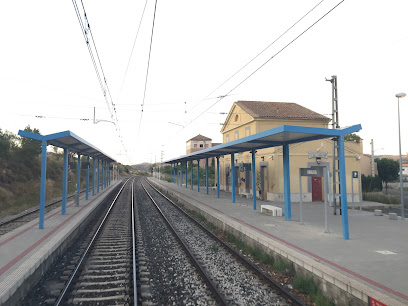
x: 20, y: 173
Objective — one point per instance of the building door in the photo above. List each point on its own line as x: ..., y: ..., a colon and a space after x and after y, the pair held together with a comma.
x: 317, y: 189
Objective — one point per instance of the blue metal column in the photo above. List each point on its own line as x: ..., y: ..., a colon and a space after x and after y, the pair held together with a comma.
x: 181, y: 174
x: 218, y: 176
x: 64, y: 182
x: 177, y: 173
x: 253, y: 179
x: 43, y: 183
x: 286, y: 182
x: 192, y: 175
x: 186, y: 173
x: 109, y: 174
x: 206, y: 173
x: 198, y: 175
x: 233, y: 178
x: 97, y: 189
x: 171, y: 173
x: 93, y: 176
x: 79, y: 177
x: 343, y: 192
x: 87, y: 180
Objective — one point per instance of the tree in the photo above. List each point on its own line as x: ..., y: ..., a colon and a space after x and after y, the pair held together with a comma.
x: 387, y: 170
x: 352, y: 137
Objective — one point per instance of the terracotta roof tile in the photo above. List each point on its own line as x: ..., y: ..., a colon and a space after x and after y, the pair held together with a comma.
x: 200, y: 137
x: 279, y: 110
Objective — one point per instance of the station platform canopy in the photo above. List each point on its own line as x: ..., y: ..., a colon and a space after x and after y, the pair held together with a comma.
x: 285, y: 134
x: 68, y: 140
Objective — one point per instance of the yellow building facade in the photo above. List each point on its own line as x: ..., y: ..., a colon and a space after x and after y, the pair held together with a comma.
x: 251, y: 117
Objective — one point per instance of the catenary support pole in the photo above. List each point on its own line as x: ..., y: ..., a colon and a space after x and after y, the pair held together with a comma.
x: 64, y: 182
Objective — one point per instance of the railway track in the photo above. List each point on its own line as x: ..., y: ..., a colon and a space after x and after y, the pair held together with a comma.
x: 229, y: 278
x: 13, y: 222
x: 105, y: 271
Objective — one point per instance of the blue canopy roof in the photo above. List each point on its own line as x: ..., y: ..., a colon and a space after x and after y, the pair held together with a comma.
x: 285, y: 134
x: 69, y: 140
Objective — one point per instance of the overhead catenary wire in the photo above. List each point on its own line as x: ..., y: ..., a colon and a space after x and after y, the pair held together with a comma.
x: 85, y: 28
x: 148, y: 65
x: 266, y: 62
x: 261, y: 52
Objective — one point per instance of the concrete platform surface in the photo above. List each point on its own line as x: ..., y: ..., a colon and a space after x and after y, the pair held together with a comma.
x: 24, y: 250
x: 373, y: 262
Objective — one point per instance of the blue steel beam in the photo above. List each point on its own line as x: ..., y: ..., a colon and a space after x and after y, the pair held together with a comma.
x: 43, y: 182
x: 192, y: 174
x: 233, y: 178
x: 87, y: 180
x: 186, y: 174
x: 64, y: 182
x: 206, y: 174
x: 78, y: 177
x: 181, y: 174
x: 218, y: 176
x: 93, y: 176
x: 343, y: 195
x: 286, y: 182
x: 98, y: 178
x: 253, y: 179
x: 198, y: 175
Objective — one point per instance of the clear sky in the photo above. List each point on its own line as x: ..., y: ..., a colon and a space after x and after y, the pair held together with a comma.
x: 46, y: 70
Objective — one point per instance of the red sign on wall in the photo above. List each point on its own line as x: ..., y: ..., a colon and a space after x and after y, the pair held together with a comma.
x: 374, y: 302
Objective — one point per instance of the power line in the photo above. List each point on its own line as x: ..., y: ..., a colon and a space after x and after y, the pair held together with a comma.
x: 256, y: 56
x: 148, y: 65
x: 273, y: 56
x: 133, y: 47
x: 85, y: 28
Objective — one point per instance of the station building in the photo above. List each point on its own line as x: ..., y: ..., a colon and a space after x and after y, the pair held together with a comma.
x: 250, y: 117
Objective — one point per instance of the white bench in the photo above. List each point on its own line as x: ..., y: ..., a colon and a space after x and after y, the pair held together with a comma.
x: 271, y: 210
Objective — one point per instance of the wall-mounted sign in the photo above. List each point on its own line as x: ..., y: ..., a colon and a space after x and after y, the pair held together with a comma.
x: 72, y: 165
x: 243, y: 167
x: 314, y: 171
x: 354, y: 174
x: 317, y: 154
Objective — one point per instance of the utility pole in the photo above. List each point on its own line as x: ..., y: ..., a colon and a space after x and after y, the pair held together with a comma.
x: 335, y: 125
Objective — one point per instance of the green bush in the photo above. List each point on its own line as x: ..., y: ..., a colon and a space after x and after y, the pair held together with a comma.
x: 371, y: 183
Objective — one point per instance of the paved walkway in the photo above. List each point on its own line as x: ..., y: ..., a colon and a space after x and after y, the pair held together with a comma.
x: 376, y: 255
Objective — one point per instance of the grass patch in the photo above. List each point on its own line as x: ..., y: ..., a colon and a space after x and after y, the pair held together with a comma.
x: 282, y: 265
x: 381, y: 198
x: 307, y: 286
x: 214, y: 248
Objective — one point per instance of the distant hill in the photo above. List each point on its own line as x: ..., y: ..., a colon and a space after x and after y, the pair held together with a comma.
x: 143, y: 166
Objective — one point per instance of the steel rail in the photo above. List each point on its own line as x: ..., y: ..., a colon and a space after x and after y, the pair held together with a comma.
x: 69, y: 282
x: 212, y: 286
x: 286, y: 293
x: 134, y: 248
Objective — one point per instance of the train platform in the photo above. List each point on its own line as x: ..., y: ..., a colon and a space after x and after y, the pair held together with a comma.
x: 373, y: 263
x: 27, y: 251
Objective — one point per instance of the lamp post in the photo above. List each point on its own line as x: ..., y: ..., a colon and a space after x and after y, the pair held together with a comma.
x: 400, y: 95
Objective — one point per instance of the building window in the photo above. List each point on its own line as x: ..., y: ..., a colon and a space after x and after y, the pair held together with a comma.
x: 236, y: 118
x: 201, y: 145
x: 195, y: 145
x: 247, y: 131
x: 236, y: 135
